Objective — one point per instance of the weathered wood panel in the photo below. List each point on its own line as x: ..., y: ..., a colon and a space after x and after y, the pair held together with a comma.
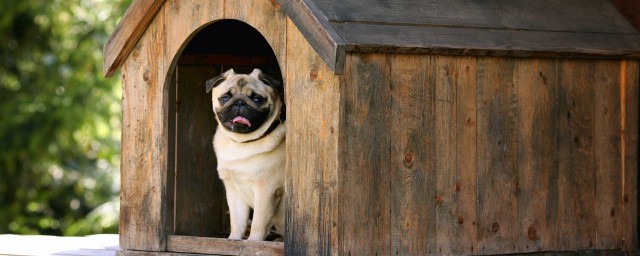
x: 497, y: 156
x: 537, y: 157
x: 144, y: 145
x: 313, y: 111
x: 375, y: 37
x: 455, y: 155
x: 200, y: 202
x: 364, y: 207
x: 413, y: 149
x: 576, y: 177
x: 543, y: 15
x: 630, y: 98
x: 221, y: 246
x: 607, y: 152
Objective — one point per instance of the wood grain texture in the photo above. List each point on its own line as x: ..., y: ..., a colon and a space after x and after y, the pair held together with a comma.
x: 365, y: 143
x: 608, y: 155
x: 497, y: 156
x: 200, y: 202
x: 543, y: 15
x: 221, y: 246
x: 413, y: 150
x: 537, y: 157
x: 131, y: 27
x: 576, y: 174
x: 455, y: 118
x: 630, y: 98
x: 313, y: 128
x: 144, y: 145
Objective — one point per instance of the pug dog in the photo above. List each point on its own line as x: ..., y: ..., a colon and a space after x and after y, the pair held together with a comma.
x: 250, y: 148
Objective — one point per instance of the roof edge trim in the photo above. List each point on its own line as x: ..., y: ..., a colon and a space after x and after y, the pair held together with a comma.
x: 129, y: 30
x: 318, y: 31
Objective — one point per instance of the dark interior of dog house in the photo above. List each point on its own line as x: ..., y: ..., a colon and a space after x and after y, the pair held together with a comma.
x: 199, y: 204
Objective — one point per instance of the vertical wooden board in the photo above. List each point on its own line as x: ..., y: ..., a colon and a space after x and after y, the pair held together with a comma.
x: 364, y: 210
x: 455, y: 155
x: 411, y: 172
x: 183, y: 18
x: 537, y: 157
x: 313, y: 127
x: 607, y: 152
x: 144, y: 145
x: 270, y: 21
x: 629, y: 72
x: 576, y: 176
x: 497, y: 156
x: 171, y: 154
x: 200, y: 204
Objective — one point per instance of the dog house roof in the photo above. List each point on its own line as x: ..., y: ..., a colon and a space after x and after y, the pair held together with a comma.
x: 521, y: 28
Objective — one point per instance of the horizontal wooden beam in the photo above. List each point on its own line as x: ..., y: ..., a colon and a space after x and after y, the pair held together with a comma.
x: 442, y: 40
x: 133, y: 24
x: 223, y: 59
x: 222, y: 246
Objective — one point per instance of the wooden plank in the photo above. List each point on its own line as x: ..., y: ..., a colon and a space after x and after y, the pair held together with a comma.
x: 313, y: 128
x: 200, y: 203
x: 576, y: 176
x: 630, y: 76
x: 608, y: 155
x: 131, y: 27
x: 466, y: 151
x: 268, y: 20
x: 223, y: 59
x: 222, y: 246
x: 456, y: 155
x: 144, y: 171
x: 497, y: 156
x: 413, y: 147
x: 544, y: 15
x: 365, y: 143
x: 537, y: 157
x: 317, y: 31
x: 485, y: 42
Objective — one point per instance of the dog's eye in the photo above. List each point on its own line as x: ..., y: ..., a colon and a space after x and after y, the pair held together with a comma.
x: 224, y: 98
x: 257, y: 99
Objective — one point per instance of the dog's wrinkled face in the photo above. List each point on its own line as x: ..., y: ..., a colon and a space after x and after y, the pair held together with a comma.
x: 243, y: 103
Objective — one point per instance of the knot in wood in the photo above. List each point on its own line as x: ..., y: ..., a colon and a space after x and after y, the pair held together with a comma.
x: 495, y: 227
x: 313, y: 74
x: 408, y: 158
x: 460, y: 220
x: 532, y: 233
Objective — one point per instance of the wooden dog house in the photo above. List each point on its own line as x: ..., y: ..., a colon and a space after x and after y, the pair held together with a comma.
x: 413, y: 127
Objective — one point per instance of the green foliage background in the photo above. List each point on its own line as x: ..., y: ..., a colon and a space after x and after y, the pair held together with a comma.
x: 59, y: 118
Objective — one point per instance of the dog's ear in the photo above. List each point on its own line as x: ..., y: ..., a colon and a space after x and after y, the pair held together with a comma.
x: 213, y: 82
x: 275, y: 84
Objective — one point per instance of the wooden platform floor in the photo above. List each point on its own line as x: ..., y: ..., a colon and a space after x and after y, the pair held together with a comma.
x: 94, y: 245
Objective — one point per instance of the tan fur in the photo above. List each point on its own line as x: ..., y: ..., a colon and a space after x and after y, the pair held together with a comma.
x: 252, y: 172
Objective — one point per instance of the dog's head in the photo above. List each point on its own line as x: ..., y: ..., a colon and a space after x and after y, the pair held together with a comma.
x: 245, y: 103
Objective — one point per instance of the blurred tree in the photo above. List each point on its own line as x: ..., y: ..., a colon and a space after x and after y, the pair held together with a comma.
x: 59, y: 118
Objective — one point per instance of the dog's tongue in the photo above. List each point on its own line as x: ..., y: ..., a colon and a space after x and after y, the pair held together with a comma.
x: 242, y: 120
